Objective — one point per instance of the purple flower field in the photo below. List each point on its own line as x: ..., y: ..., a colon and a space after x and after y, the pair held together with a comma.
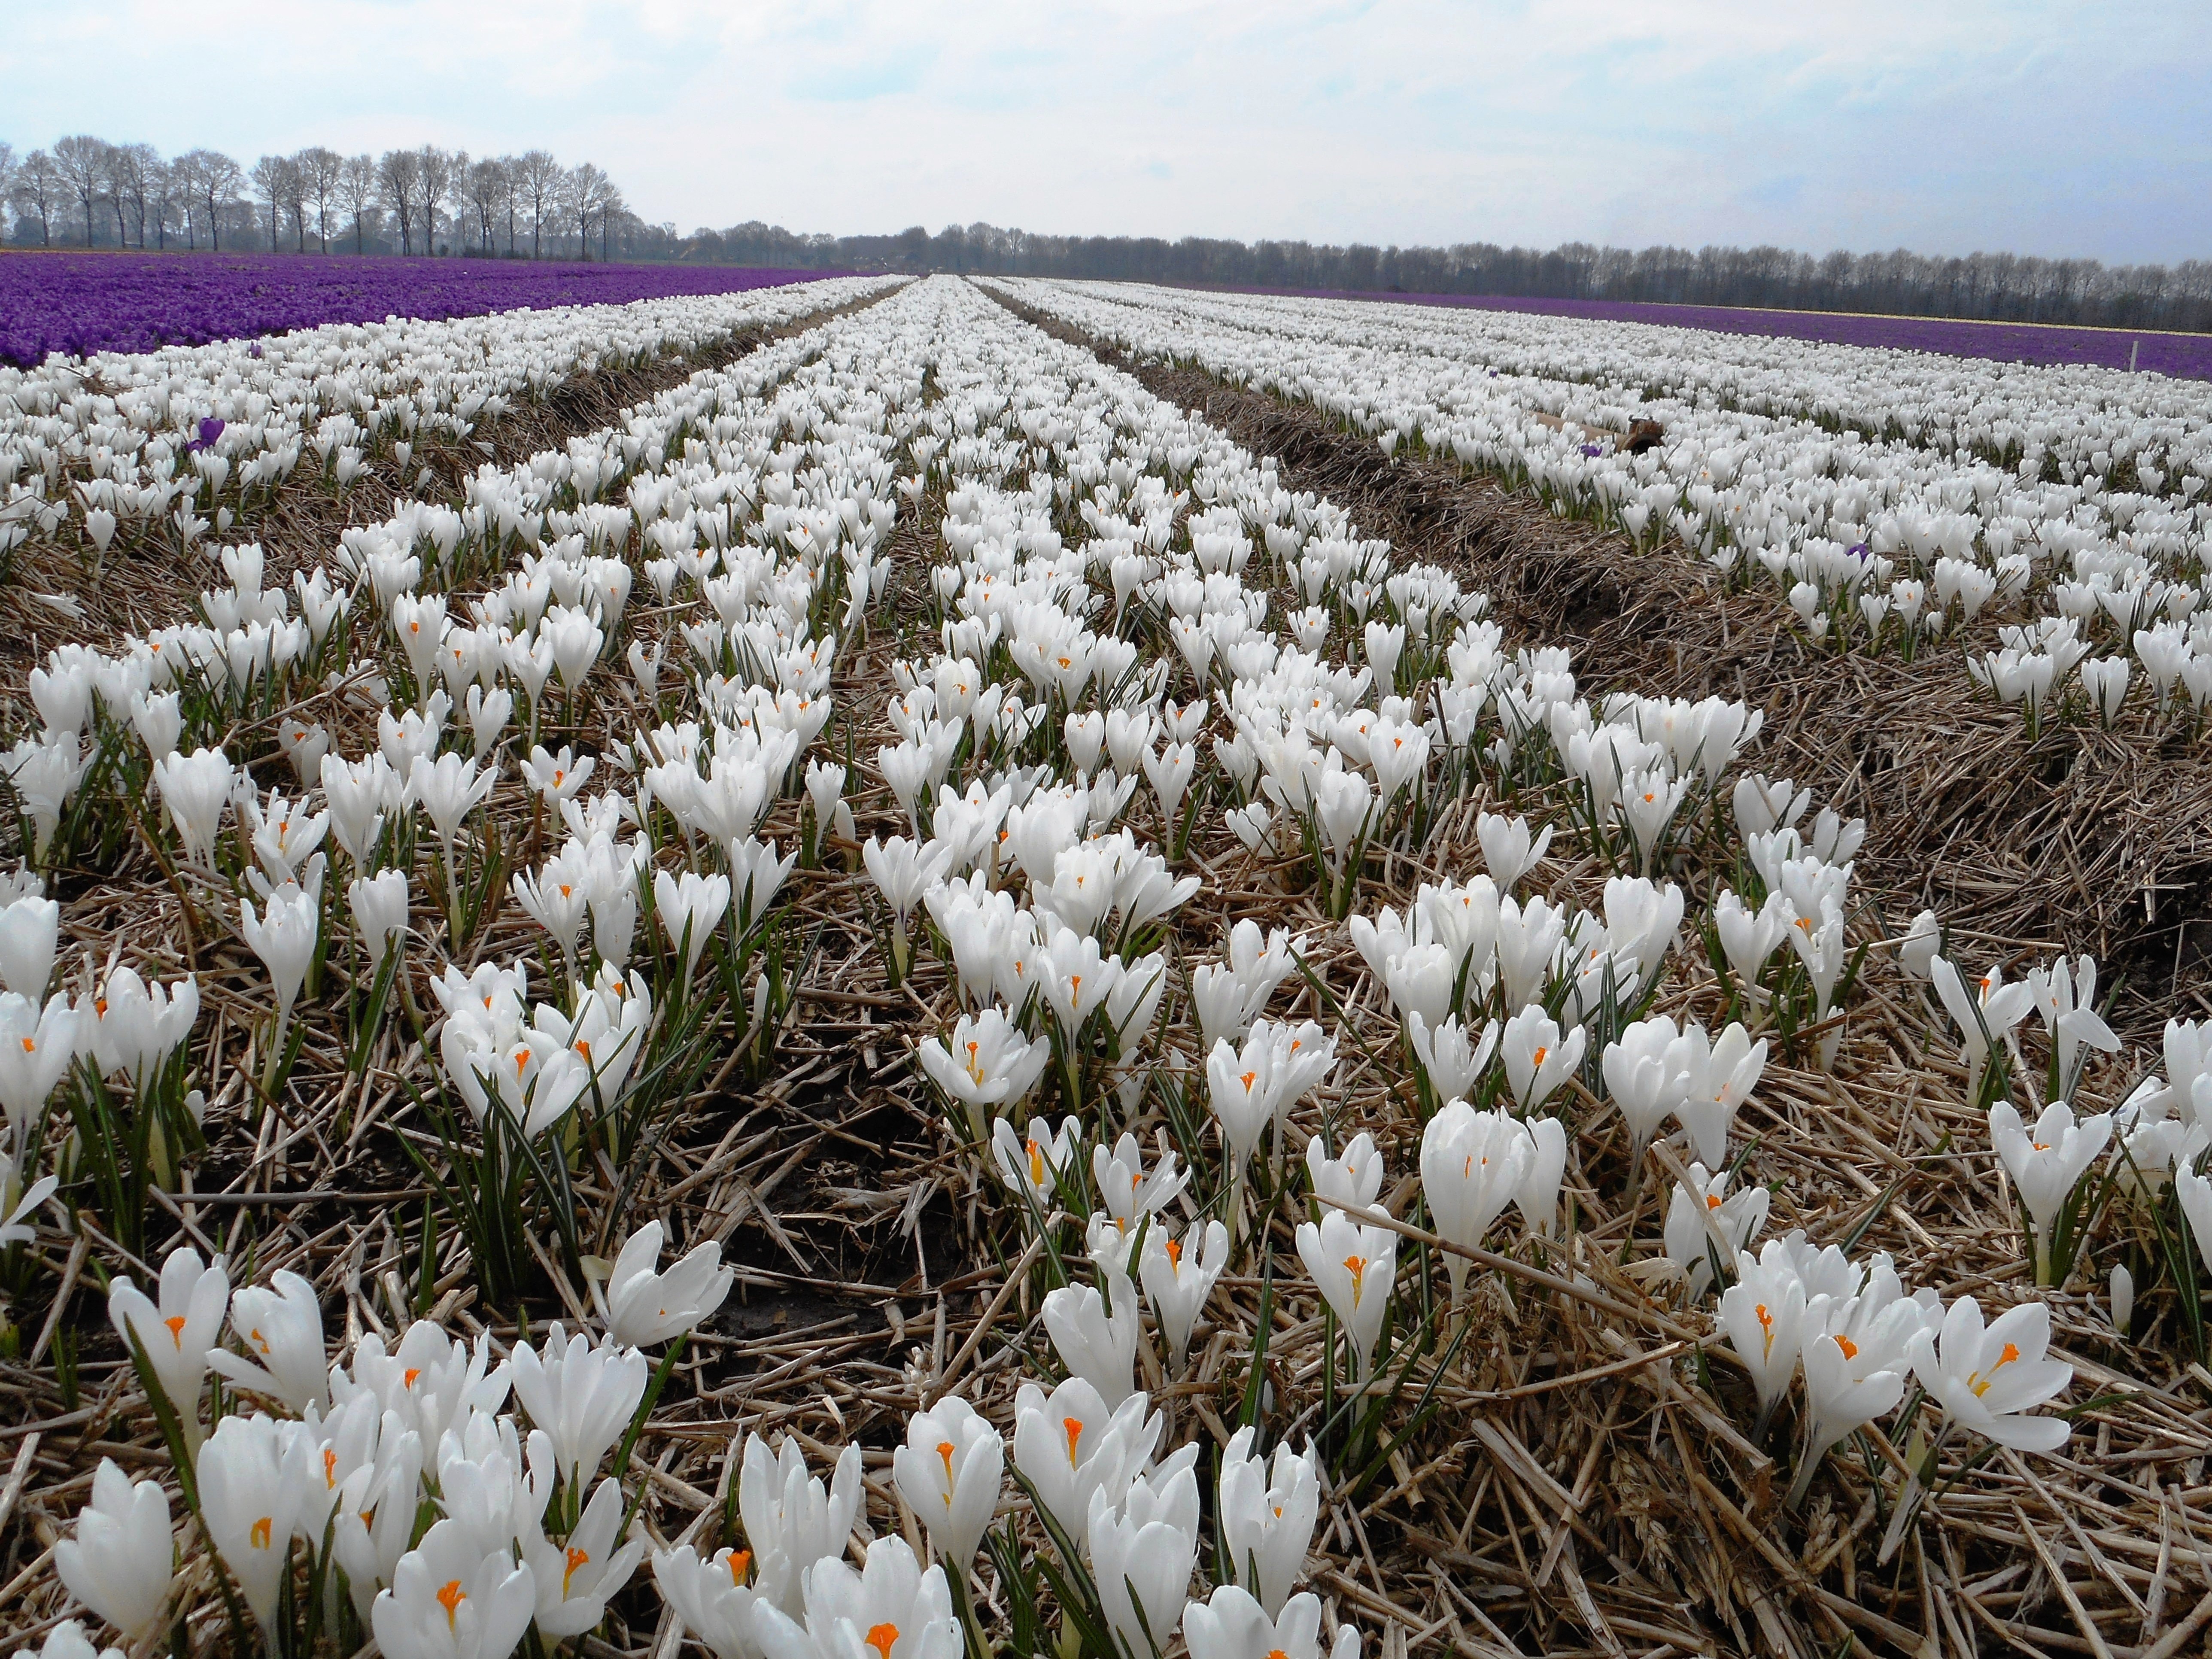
x: 2185, y: 357
x: 85, y: 302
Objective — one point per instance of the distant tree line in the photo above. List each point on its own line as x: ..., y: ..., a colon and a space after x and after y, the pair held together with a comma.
x: 87, y: 192
x: 2002, y: 287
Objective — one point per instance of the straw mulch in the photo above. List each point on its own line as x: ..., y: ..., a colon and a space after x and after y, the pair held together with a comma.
x: 1580, y: 1481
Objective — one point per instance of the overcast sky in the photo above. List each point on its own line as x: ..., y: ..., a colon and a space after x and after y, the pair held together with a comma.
x: 1942, y: 125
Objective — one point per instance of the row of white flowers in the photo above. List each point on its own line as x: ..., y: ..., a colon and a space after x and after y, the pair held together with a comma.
x: 119, y: 449
x: 1889, y: 497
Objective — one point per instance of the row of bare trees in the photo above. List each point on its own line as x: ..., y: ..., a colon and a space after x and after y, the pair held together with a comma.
x: 1998, y: 287
x: 87, y: 191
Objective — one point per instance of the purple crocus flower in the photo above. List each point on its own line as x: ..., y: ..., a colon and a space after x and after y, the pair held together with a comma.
x: 210, y: 431
x: 1593, y: 450
x: 86, y: 303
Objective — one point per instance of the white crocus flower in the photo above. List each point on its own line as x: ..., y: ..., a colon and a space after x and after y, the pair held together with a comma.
x: 1268, y: 1512
x: 575, y: 1579
x: 1231, y: 1625
x: 641, y: 1305
x: 120, y: 1562
x: 1985, y: 1013
x: 1472, y: 1167
x: 1985, y: 1377
x: 792, y: 1521
x: 1710, y: 1082
x: 253, y: 1473
x: 282, y: 1330
x: 449, y: 1598
x: 1070, y: 1446
x: 1179, y: 1275
x: 1095, y: 1343
x: 178, y: 1332
x: 2047, y: 1165
x: 1451, y: 1063
x: 582, y: 1395
x: 1538, y: 1060
x: 1703, y: 1219
x: 1354, y: 1266
x: 195, y: 789
x: 951, y: 1472
x: 1763, y: 1316
x: 986, y: 1064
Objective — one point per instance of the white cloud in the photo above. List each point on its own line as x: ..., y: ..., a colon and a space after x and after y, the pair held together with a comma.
x: 2043, y: 128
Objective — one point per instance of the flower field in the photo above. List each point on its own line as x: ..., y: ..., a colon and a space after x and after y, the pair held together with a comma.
x: 966, y: 966
x: 85, y: 304
x: 2186, y: 356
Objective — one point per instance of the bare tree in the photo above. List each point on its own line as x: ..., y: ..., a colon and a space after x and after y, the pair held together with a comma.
x: 83, y: 160
x: 579, y: 194
x: 295, y: 202
x: 273, y: 185
x: 538, y: 178
x: 510, y: 195
x: 354, y: 191
x: 608, y: 204
x: 185, y: 181
x: 456, y: 196
x: 216, y: 181
x: 136, y: 176
x: 485, y: 184
x: 433, y: 171
x: 318, y: 167
x: 432, y: 193
x: 115, y: 186
x: 223, y: 183
x: 161, y: 196
x: 399, y: 175
x: 37, y: 190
